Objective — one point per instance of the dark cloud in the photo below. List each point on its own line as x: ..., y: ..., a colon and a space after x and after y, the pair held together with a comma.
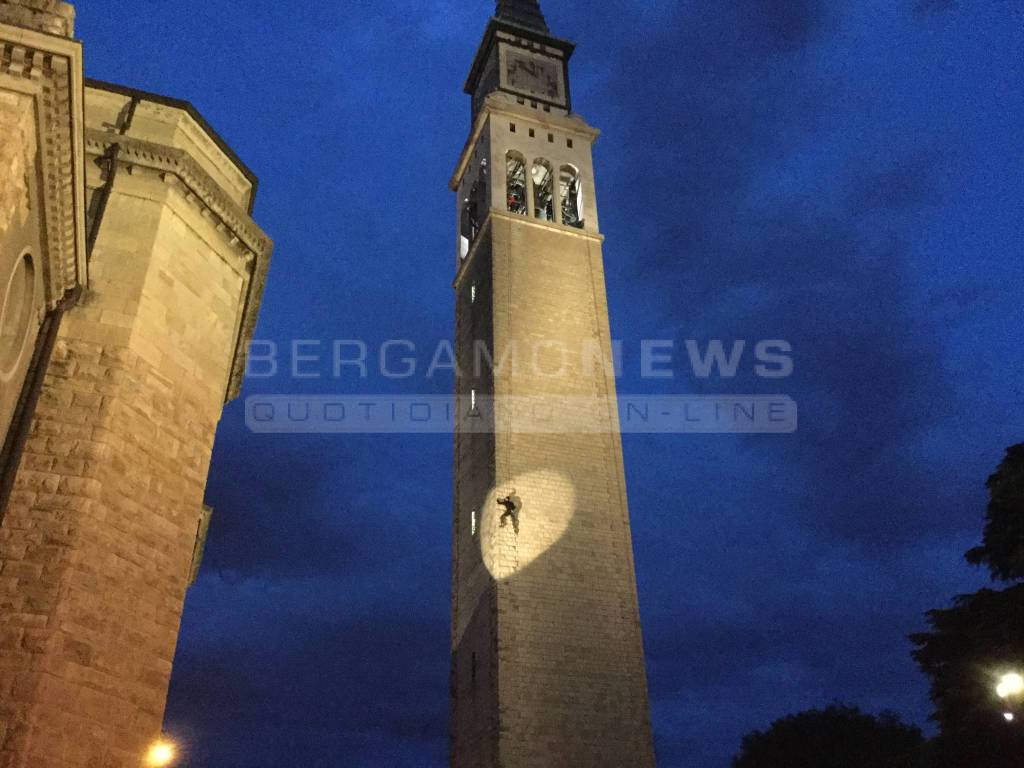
x: 782, y: 25
x: 754, y: 237
x: 928, y: 7
x: 294, y: 521
x: 325, y: 691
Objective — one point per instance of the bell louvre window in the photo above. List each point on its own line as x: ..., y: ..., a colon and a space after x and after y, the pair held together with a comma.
x: 571, y: 192
x: 516, y: 183
x: 543, y: 194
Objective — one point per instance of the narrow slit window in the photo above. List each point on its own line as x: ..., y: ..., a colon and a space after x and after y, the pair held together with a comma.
x: 571, y: 194
x: 543, y: 192
x: 472, y: 294
x: 516, y: 184
x: 469, y: 226
x: 473, y: 522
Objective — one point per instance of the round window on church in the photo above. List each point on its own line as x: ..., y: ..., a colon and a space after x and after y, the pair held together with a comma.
x: 16, y: 313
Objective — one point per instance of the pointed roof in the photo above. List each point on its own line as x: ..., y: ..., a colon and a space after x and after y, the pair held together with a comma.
x: 525, y: 13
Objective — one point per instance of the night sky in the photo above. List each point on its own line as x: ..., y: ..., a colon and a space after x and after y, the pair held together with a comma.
x: 842, y: 175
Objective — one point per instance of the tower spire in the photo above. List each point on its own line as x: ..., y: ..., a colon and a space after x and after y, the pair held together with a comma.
x: 525, y: 13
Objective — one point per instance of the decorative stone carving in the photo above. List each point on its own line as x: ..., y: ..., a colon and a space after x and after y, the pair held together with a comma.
x: 16, y: 155
x: 48, y: 70
x: 50, y: 16
x: 252, y: 245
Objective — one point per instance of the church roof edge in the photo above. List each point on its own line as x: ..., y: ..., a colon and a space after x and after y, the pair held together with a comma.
x: 195, y: 114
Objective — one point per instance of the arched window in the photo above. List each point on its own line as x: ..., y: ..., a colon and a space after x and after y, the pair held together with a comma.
x: 543, y: 192
x: 516, y: 183
x: 571, y: 196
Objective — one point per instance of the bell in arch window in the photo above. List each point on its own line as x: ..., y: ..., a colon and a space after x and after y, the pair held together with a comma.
x: 516, y: 184
x: 571, y: 195
x: 543, y: 193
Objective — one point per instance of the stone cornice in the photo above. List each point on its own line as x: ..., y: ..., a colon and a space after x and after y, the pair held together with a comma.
x: 175, y: 166
x: 498, y: 215
x: 50, y: 16
x: 50, y: 69
x: 190, y: 125
x: 232, y: 219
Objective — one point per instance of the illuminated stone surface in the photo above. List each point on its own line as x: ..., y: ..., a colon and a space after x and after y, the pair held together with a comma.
x: 97, y: 538
x: 547, y: 660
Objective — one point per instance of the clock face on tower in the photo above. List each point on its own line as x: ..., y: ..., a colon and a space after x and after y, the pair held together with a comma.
x: 536, y: 76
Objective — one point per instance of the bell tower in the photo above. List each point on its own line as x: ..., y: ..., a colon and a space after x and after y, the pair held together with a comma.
x: 547, y: 665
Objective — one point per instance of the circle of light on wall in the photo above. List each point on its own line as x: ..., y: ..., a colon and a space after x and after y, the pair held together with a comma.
x: 549, y: 505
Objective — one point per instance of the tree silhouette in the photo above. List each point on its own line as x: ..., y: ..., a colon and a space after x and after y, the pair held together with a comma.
x: 971, y: 645
x: 1003, y: 544
x: 969, y: 648
x: 836, y: 737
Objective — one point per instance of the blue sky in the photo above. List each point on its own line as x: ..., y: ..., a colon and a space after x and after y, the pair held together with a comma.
x: 842, y: 175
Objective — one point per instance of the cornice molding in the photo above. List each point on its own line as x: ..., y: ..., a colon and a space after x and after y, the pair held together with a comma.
x: 177, y: 168
x: 49, y: 68
x: 52, y: 17
x: 498, y: 215
x: 232, y: 220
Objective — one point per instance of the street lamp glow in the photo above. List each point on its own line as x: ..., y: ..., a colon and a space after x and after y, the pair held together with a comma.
x: 1010, y: 685
x: 1008, y: 716
x: 160, y: 755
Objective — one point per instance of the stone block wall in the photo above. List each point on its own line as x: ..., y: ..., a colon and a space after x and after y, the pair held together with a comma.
x: 548, y: 664
x: 97, y: 540
x: 572, y: 682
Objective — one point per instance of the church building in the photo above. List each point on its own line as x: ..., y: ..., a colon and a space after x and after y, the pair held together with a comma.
x: 131, y: 273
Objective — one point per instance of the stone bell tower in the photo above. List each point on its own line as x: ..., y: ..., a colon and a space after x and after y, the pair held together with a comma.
x: 547, y: 662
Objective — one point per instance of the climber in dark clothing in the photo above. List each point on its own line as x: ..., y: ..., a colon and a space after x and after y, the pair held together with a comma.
x: 512, y: 504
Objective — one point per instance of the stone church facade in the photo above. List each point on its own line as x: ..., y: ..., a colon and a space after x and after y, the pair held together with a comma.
x: 131, y: 273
